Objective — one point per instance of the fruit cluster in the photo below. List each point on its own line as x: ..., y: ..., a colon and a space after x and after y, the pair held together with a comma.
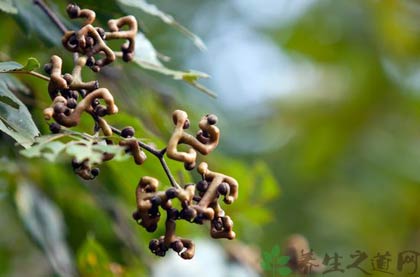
x: 71, y: 97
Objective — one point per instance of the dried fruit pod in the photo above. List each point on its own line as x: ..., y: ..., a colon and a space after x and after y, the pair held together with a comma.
x: 179, y: 136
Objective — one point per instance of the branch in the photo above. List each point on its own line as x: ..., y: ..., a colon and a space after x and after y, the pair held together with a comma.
x: 158, y: 154
x: 54, y: 18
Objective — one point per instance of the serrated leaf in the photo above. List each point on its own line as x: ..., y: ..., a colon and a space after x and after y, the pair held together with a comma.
x: 146, y: 56
x: 284, y: 271
x: 168, y: 19
x: 80, y: 149
x: 44, y: 222
x: 15, y: 119
x: 49, y: 150
x: 8, y: 7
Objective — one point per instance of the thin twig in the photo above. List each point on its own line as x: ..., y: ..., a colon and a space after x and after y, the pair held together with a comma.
x: 33, y: 73
x: 51, y: 15
x: 157, y: 153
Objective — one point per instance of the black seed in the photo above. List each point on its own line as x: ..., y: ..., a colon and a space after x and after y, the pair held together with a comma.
x: 202, y: 137
x: 202, y: 185
x: 188, y: 214
x: 73, y: 10
x: 101, y: 32
x: 68, y: 78
x: 223, y: 188
x: 89, y: 42
x: 136, y: 216
x: 155, y: 200
x: 95, y: 171
x: 74, y: 94
x: 173, y: 213
x: 186, y: 124
x: 59, y: 108
x: 67, y: 111
x: 90, y: 61
x: 75, y: 164
x: 154, y: 244
x: 55, y: 128
x: 177, y: 246
x: 171, y: 193
x: 101, y: 111
x: 211, y: 119
x: 151, y: 228
x: 48, y: 68
x: 127, y: 132
x: 71, y: 103
x: 82, y: 93
x: 189, y: 166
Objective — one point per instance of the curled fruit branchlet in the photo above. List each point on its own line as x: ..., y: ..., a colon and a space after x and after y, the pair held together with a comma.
x: 199, y: 203
x: 207, y: 141
x: 134, y: 149
x: 90, y: 41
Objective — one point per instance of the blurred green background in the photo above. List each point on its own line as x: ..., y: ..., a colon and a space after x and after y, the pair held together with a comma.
x: 319, y: 110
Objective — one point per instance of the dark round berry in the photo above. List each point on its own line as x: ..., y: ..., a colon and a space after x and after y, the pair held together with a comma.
x: 55, y: 128
x: 188, y: 213
x: 82, y: 93
x: 186, y: 124
x: 223, y: 188
x: 101, y: 110
x: 171, y: 193
x: 128, y: 56
x: 95, y: 68
x: 73, y: 42
x: 154, y: 244
x: 96, y: 86
x: 71, y: 103
x: 202, y: 185
x: 89, y: 42
x: 177, y: 246
x: 151, y: 228
x: 203, y: 137
x: 59, y: 108
x: 75, y: 164
x: 136, y: 216
x: 127, y: 132
x: 211, y: 119
x: 101, y: 32
x: 218, y: 224
x: 173, y: 213
x: 90, y: 61
x: 199, y: 219
x: 48, y: 68
x: 68, y: 78
x: 67, y: 111
x: 155, y: 200
x: 74, y: 94
x: 95, y: 171
x: 189, y: 166
x: 73, y: 10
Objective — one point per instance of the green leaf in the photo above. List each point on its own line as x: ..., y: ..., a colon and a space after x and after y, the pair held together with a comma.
x: 267, y: 257
x: 80, y: 149
x: 31, y: 64
x: 15, y: 119
x: 168, y: 19
x: 265, y: 265
x: 7, y: 6
x: 92, y: 259
x: 282, y: 260
x: 146, y: 56
x: 10, y: 66
x: 284, y: 271
x: 275, y: 251
x: 44, y: 222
